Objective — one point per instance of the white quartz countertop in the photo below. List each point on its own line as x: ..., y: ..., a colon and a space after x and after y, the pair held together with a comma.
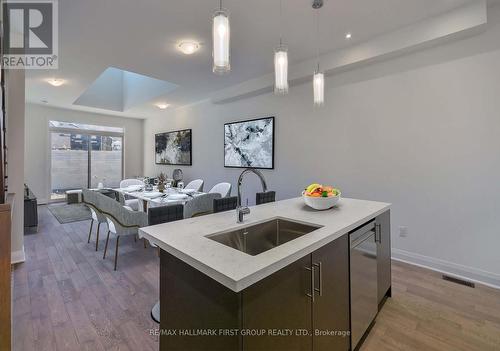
x: 187, y: 239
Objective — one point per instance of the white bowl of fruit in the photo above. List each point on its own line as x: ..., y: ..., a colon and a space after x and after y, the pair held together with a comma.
x: 321, y: 197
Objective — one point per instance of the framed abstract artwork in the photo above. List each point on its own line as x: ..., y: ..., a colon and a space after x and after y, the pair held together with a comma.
x: 249, y: 144
x: 174, y: 148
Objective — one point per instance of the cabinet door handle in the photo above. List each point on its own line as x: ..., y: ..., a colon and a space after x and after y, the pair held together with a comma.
x: 378, y: 233
x: 311, y: 269
x: 320, y: 282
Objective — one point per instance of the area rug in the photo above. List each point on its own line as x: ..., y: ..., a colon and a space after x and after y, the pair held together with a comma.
x: 70, y: 213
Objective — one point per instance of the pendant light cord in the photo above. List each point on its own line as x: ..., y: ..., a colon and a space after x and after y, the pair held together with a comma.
x: 220, y: 5
x: 317, y: 38
x: 281, y: 22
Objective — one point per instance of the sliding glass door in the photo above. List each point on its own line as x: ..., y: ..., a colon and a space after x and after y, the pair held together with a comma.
x: 82, y: 156
x: 70, y: 165
x: 105, y: 161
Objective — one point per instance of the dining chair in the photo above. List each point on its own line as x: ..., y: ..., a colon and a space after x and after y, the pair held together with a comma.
x: 158, y: 215
x: 121, y: 221
x: 132, y: 203
x: 129, y: 182
x: 177, y: 176
x: 265, y: 197
x: 224, y: 189
x: 196, y: 184
x: 89, y: 200
x: 200, y: 205
x: 164, y: 214
x: 225, y: 204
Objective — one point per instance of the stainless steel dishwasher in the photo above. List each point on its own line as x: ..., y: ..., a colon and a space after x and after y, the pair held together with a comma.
x: 364, y: 306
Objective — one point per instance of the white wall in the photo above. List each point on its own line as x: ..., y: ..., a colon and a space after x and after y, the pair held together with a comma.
x: 420, y: 131
x: 15, y: 157
x: 37, y: 160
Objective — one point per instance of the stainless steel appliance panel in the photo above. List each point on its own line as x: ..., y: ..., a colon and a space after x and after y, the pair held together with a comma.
x: 363, y: 260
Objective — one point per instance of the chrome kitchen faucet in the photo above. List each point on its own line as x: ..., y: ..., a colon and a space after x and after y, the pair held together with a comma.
x: 242, y: 211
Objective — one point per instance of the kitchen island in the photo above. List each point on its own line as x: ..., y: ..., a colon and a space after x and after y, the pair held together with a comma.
x: 222, y: 289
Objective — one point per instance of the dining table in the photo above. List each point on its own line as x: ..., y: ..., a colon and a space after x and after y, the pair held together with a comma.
x: 155, y: 198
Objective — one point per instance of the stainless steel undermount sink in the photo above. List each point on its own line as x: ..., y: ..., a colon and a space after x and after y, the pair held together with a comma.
x: 258, y: 238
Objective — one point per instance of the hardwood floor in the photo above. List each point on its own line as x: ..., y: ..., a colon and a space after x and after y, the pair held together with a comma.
x: 428, y: 313
x: 66, y: 297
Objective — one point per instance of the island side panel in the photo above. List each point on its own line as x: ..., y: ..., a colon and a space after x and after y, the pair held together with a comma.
x: 384, y: 257
x: 192, y: 302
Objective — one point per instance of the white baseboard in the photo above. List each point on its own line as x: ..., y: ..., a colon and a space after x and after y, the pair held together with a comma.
x: 453, y: 269
x: 17, y: 256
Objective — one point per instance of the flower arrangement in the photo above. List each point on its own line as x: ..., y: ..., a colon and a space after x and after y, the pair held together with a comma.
x: 162, y: 179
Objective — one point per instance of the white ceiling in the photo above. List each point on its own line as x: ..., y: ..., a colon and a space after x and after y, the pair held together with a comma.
x: 141, y: 37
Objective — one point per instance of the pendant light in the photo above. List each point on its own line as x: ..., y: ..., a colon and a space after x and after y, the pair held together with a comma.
x: 221, y: 41
x: 319, y: 88
x: 318, y: 77
x: 281, y: 64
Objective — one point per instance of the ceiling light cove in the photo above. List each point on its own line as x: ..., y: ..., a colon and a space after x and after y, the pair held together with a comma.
x: 162, y: 105
x: 119, y: 90
x: 55, y: 82
x: 188, y: 47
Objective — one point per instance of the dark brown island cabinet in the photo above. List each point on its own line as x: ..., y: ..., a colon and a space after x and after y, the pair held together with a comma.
x: 304, y: 306
x: 383, y: 223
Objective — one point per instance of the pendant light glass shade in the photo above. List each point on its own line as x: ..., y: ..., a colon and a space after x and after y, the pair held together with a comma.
x: 281, y: 70
x: 319, y: 88
x: 221, y: 42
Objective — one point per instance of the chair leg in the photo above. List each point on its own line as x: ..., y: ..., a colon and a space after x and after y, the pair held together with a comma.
x: 116, y: 250
x: 106, y: 246
x: 90, y: 230
x: 135, y: 238
x: 97, y: 237
x: 144, y: 239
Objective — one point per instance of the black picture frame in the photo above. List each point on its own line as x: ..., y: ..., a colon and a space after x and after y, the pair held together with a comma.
x: 190, y: 148
x: 273, y: 141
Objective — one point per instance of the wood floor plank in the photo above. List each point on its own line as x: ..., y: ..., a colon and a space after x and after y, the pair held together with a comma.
x: 43, y: 334
x: 108, y: 335
x: 22, y: 333
x: 85, y: 331
x: 65, y: 335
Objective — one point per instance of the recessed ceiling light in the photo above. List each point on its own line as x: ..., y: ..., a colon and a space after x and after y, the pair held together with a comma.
x: 55, y: 82
x: 348, y: 36
x: 162, y: 105
x: 188, y: 47
x: 45, y: 101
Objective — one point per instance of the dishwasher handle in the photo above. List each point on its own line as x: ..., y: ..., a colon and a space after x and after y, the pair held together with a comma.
x: 361, y: 231
x: 363, y: 237
x: 378, y: 233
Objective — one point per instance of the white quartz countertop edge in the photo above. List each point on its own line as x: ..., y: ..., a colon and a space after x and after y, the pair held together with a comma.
x: 237, y: 270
